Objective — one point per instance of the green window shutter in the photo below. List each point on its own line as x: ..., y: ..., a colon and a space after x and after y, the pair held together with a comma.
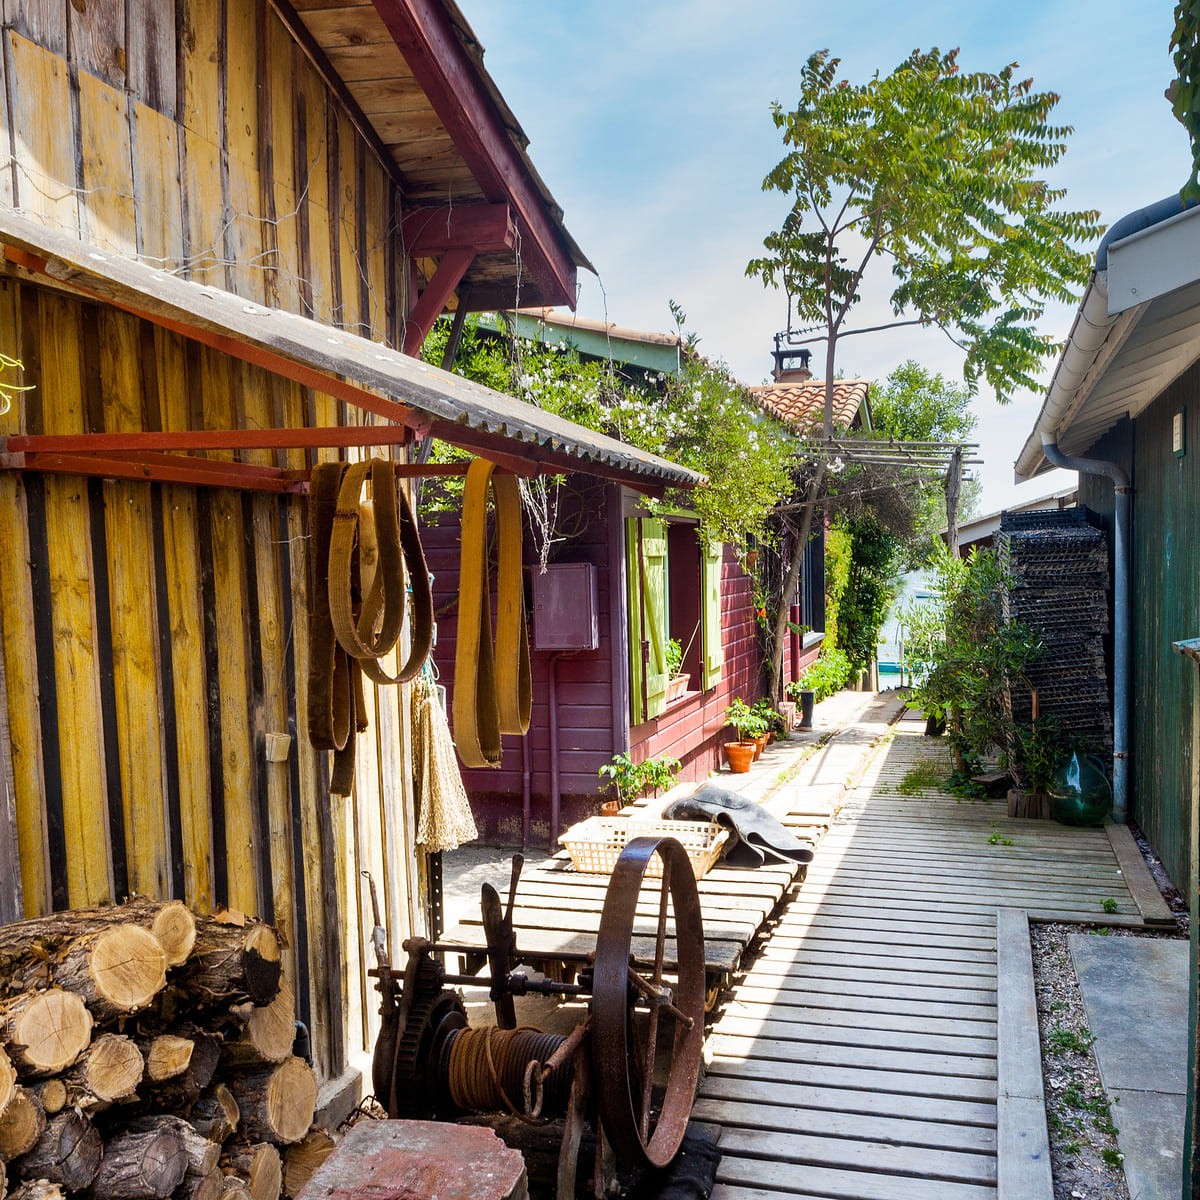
x: 647, y: 591
x: 710, y: 584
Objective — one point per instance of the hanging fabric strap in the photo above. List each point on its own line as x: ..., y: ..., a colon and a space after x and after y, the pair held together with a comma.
x: 369, y: 629
x: 492, y: 689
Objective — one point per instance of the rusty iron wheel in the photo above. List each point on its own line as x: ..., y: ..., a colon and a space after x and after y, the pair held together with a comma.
x: 645, y: 1123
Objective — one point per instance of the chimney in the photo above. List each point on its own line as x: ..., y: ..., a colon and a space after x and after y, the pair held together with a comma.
x: 784, y: 371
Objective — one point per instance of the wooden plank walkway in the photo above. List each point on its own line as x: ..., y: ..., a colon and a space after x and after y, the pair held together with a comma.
x: 857, y: 1055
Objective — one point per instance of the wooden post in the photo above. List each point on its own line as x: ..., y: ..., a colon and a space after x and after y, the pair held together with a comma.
x: 1191, y: 1127
x: 953, y: 491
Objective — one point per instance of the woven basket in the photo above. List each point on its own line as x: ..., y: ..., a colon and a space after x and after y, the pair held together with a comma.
x: 595, y: 844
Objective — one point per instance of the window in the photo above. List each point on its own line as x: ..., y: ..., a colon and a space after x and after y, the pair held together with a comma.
x: 674, y: 592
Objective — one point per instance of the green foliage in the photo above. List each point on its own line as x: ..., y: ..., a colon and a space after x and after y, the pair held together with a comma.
x: 924, y: 777
x: 1108, y: 905
x: 1184, y: 92
x: 870, y: 590
x: 964, y: 653
x: 998, y: 839
x: 631, y: 779
x: 838, y: 546
x: 938, y: 172
x: 1062, y: 1040
x: 703, y: 419
x: 772, y: 717
x: 828, y: 674
x: 745, y: 719
x: 674, y: 656
x: 1035, y: 752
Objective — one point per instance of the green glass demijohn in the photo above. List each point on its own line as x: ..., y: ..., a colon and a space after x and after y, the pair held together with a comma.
x: 1080, y: 793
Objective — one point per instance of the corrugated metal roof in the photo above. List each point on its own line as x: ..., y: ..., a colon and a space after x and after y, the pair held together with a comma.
x: 802, y: 405
x: 391, y: 384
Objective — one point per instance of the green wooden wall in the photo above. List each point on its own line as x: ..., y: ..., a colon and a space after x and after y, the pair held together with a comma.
x: 1166, y: 607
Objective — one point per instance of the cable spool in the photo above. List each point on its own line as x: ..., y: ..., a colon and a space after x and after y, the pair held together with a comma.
x: 486, y: 1070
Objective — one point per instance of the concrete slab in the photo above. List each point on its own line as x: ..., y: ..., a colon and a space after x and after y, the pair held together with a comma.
x: 1135, y: 994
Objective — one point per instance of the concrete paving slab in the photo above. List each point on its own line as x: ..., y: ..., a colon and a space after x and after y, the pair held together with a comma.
x: 1135, y: 994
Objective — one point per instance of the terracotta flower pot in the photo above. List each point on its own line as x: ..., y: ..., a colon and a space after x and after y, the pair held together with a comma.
x: 740, y: 755
x: 610, y: 808
x: 760, y: 744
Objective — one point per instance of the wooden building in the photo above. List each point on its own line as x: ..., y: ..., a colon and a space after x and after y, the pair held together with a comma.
x: 221, y: 224
x: 1126, y: 396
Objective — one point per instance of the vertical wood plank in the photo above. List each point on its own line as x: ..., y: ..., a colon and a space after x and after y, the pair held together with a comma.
x: 375, y: 241
x: 160, y: 204
x: 201, y: 96
x: 96, y: 39
x: 345, y: 180
x: 242, y: 147
x: 17, y: 637
x: 45, y: 168
x: 134, y: 620
x: 181, y: 570
x: 41, y: 21
x: 151, y: 55
x: 108, y: 208
x: 69, y: 567
x: 313, y: 178
x: 8, y: 141
x: 280, y: 137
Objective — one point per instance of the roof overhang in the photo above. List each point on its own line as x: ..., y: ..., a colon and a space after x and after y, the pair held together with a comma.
x: 367, y: 375
x: 1135, y: 332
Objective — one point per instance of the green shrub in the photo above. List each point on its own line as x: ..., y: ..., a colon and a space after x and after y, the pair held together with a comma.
x: 748, y: 722
x: 631, y: 779
x: 830, y: 673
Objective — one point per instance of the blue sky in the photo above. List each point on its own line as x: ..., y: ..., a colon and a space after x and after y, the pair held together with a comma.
x: 650, y: 122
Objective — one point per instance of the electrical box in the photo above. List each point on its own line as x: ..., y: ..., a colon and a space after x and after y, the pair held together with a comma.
x: 565, y: 611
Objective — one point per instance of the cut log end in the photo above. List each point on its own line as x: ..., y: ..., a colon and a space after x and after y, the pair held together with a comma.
x: 8, y: 1081
x: 129, y: 967
x: 277, y: 1105
x: 216, y: 1115
x: 168, y: 1056
x: 139, y: 1165
x: 45, y: 1031
x: 200, y: 1187
x: 21, y: 1125
x: 269, y: 1032
x: 175, y: 928
x: 112, y: 1068
x: 301, y: 1160
x: 261, y: 1168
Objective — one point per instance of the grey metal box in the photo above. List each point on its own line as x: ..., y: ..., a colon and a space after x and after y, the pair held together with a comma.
x: 565, y: 615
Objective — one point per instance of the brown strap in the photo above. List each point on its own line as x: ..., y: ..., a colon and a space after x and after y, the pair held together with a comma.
x: 329, y: 699
x: 492, y: 693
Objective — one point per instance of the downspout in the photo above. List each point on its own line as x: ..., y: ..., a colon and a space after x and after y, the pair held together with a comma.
x: 555, y: 769
x: 1123, y: 508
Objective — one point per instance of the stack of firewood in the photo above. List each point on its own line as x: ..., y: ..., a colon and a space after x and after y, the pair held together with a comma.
x: 146, y: 1052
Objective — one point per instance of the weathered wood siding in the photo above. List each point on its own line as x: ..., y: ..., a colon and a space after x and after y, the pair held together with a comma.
x: 691, y: 729
x: 153, y: 635
x: 1165, y: 588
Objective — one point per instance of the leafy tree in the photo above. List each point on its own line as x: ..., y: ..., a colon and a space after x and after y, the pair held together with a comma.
x: 868, y: 596
x: 936, y: 172
x: 1184, y: 92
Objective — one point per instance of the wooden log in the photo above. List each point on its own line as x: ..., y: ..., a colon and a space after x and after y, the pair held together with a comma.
x: 233, y: 1187
x: 53, y: 1096
x: 167, y: 1056
x: 116, y: 971
x: 139, y: 1165
x: 200, y: 1187
x: 203, y: 1155
x: 68, y: 1152
x: 108, y: 1072
x: 38, y: 1189
x: 268, y: 1034
x: 216, y: 1114
x: 170, y: 921
x: 276, y: 1103
x: 260, y: 1166
x: 181, y: 1090
x: 8, y: 1080
x: 21, y: 1125
x: 302, y: 1159
x: 44, y: 1032
x: 231, y: 963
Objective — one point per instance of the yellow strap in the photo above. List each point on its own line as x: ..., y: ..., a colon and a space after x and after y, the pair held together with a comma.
x: 492, y: 693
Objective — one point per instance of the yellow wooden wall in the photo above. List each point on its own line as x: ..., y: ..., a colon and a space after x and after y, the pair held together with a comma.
x: 154, y: 635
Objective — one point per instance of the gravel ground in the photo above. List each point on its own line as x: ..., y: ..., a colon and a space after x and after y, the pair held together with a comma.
x: 1083, y: 1145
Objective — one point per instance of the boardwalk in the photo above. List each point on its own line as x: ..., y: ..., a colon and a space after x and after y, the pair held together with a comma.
x: 857, y: 1056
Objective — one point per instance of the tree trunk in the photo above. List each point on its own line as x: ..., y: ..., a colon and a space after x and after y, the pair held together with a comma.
x: 140, y: 1165
x: 109, y: 1071
x: 68, y: 1152
x: 44, y: 1031
x: 233, y: 963
x: 301, y: 1160
x: 216, y: 1115
x: 277, y: 1104
x: 269, y: 1032
x: 23, y: 1122
x: 260, y: 1166
x: 791, y: 583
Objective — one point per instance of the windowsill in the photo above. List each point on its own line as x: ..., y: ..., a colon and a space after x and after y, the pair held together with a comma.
x: 811, y: 639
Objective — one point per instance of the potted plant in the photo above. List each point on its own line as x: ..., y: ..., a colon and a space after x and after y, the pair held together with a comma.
x: 749, y: 726
x: 776, y: 725
x: 631, y: 779
x: 678, y: 679
x: 806, y: 698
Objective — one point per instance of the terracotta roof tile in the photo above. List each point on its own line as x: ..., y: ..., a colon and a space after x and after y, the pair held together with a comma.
x: 803, y: 404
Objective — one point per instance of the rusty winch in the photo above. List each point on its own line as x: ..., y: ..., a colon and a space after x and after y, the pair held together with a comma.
x: 630, y: 1067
